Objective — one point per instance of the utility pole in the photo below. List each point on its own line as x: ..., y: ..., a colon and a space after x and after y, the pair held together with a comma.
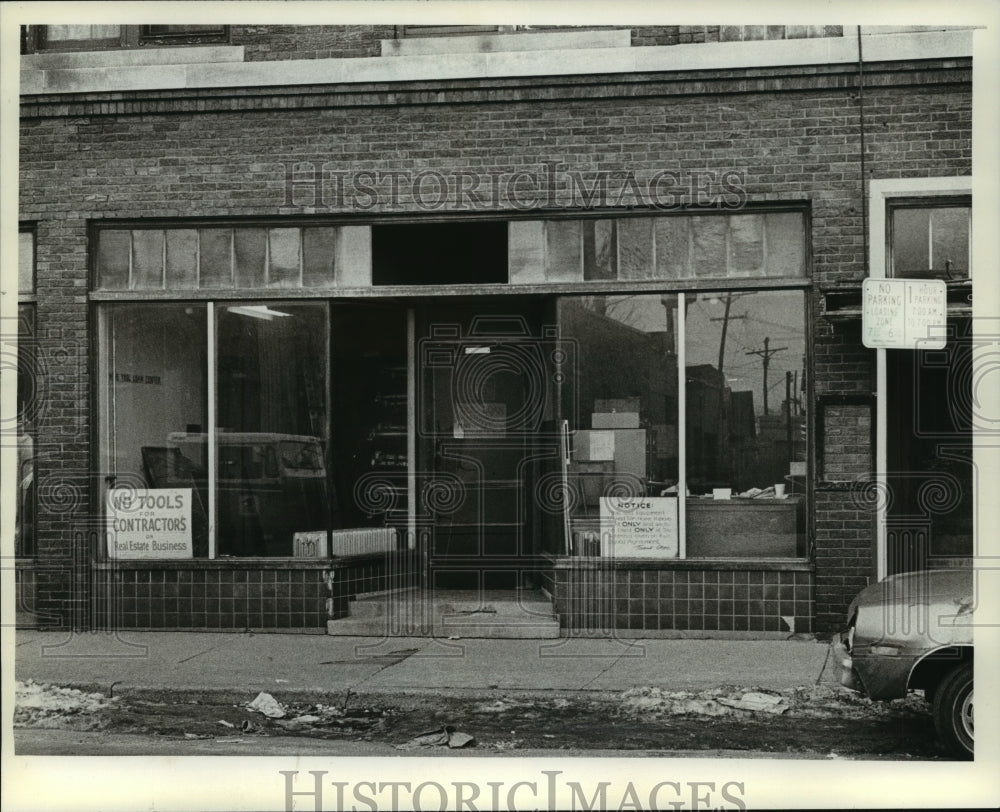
x: 766, y: 354
x: 726, y: 318
x: 788, y: 413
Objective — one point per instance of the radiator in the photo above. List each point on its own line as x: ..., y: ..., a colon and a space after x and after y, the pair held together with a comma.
x: 363, y: 540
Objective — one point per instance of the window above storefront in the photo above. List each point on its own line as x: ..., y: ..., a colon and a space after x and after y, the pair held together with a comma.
x: 931, y: 239
x: 687, y: 248
x: 218, y: 258
x: 26, y: 262
x: 93, y: 37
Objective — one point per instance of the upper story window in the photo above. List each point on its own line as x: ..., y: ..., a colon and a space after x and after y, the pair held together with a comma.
x: 407, y: 31
x: 931, y: 239
x: 91, y: 37
x: 26, y: 262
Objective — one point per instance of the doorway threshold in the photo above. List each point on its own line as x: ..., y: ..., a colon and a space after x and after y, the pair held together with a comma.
x: 450, y: 614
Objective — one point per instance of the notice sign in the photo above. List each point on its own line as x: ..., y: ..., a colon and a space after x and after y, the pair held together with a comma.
x: 639, y: 527
x: 903, y: 313
x: 152, y: 523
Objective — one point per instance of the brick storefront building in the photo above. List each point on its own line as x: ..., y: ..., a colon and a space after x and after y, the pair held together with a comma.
x: 313, y: 312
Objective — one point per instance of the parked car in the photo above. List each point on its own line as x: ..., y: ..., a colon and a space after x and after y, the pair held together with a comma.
x: 914, y: 632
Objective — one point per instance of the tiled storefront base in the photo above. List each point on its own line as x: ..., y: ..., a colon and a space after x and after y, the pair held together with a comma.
x: 233, y: 593
x: 653, y: 598
x: 592, y: 596
x: 223, y: 594
x: 24, y: 593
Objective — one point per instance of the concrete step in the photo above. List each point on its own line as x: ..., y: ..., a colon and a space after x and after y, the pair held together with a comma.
x: 382, y: 627
x: 453, y: 602
x: 489, y: 614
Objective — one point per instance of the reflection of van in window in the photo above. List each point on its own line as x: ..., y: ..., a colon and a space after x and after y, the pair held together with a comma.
x: 270, y: 486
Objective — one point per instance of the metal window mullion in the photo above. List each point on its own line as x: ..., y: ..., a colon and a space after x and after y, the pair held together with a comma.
x: 930, y: 239
x: 969, y: 249
x: 411, y: 428
x: 881, y: 461
x: 232, y: 257
x: 681, y: 427
x: 131, y: 263
x: 267, y: 257
x: 652, y: 253
x: 211, y: 395
x: 106, y: 402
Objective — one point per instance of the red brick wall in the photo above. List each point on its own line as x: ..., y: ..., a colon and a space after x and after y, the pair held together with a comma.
x: 152, y: 157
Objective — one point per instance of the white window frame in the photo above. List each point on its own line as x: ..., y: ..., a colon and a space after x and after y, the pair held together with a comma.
x: 881, y: 193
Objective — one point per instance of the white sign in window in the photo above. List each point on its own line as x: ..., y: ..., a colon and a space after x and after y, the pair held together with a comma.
x: 151, y: 523
x: 903, y: 314
x: 639, y: 527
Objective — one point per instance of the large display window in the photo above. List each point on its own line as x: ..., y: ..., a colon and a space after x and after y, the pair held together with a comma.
x: 621, y: 408
x: 745, y: 424
x: 214, y: 428
x: 687, y: 424
x: 247, y: 427
x: 154, y: 396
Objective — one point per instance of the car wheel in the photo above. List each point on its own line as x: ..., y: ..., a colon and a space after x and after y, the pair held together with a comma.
x: 953, y: 710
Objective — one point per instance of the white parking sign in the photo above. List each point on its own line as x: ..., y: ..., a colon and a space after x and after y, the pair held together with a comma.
x: 903, y: 313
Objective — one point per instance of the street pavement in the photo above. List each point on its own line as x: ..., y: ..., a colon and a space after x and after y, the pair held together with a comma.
x: 317, y: 663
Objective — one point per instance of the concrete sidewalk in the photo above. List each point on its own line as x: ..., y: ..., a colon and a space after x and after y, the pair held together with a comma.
x: 320, y: 663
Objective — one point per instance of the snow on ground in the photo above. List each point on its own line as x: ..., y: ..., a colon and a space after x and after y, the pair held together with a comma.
x: 37, y: 704
x: 813, y: 701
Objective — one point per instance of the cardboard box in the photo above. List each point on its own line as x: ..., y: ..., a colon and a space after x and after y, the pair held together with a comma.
x: 615, y: 420
x: 630, y: 452
x: 594, y: 446
x: 608, y: 405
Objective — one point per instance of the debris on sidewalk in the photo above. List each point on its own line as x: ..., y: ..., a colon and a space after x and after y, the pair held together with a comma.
x: 328, y: 710
x: 446, y: 735
x: 224, y: 723
x: 269, y: 706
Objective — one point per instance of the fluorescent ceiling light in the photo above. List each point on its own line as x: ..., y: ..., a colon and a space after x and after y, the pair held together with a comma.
x: 257, y: 312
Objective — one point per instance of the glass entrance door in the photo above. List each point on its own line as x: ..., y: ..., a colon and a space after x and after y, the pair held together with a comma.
x: 929, y: 454
x: 485, y: 404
